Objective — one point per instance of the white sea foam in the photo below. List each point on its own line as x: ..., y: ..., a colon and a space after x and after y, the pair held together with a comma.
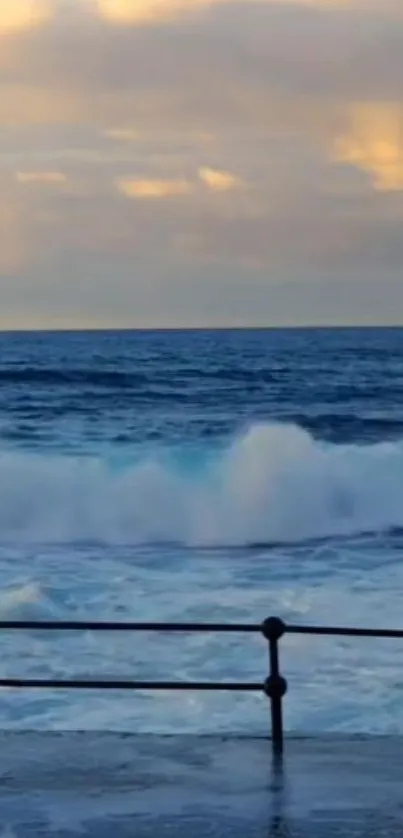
x: 335, y: 684
x: 274, y: 483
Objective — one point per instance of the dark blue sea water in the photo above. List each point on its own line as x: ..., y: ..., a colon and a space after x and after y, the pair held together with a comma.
x: 85, y: 390
x: 179, y: 475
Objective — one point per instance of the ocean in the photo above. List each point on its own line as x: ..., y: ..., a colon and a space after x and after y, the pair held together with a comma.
x: 199, y: 475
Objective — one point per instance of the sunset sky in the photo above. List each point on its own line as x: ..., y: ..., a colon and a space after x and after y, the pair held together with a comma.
x: 200, y: 162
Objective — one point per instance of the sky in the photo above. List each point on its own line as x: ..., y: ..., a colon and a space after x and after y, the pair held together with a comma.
x: 191, y: 163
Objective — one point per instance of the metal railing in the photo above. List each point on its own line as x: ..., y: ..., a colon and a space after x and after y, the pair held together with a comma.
x: 272, y: 629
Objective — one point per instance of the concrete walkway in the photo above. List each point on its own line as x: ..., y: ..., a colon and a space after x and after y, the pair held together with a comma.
x: 112, y: 786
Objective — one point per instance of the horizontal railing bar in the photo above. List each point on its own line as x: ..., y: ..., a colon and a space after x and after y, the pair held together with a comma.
x: 78, y: 684
x: 213, y: 628
x: 88, y: 625
x: 344, y: 632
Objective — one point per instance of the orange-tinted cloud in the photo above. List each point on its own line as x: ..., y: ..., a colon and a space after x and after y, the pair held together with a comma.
x: 218, y: 180
x: 139, y: 12
x: 153, y: 188
x: 146, y: 11
x: 17, y: 15
x: 374, y: 144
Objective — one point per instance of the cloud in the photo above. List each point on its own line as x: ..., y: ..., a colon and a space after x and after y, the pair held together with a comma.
x: 146, y: 12
x: 215, y: 180
x: 126, y: 135
x: 236, y: 158
x: 56, y: 178
x: 18, y: 15
x: 268, y: 63
x: 152, y: 188
x: 219, y: 181
x: 374, y: 143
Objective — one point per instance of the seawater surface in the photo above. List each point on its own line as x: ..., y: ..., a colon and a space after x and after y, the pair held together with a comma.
x: 198, y: 476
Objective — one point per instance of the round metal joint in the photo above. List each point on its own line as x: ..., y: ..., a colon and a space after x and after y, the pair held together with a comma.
x: 273, y: 628
x: 275, y: 686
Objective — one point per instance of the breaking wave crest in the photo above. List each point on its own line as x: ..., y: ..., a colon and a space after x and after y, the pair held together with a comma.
x: 274, y: 483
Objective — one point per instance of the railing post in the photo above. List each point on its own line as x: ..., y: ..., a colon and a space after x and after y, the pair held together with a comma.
x: 275, y: 686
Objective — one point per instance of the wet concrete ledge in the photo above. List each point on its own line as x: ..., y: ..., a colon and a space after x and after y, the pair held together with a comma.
x: 114, y: 786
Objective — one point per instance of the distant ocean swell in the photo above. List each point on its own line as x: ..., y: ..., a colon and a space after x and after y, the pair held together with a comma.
x: 275, y: 483
x: 104, y: 377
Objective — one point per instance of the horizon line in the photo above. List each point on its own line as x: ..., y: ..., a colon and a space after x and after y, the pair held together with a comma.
x: 235, y: 328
